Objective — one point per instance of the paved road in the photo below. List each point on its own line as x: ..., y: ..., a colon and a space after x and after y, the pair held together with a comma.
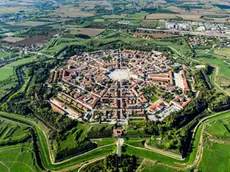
x: 120, y: 142
x: 188, y: 32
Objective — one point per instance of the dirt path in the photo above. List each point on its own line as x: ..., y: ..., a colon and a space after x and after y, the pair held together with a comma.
x: 5, y: 166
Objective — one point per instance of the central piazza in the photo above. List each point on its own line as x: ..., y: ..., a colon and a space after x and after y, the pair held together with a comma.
x: 120, y: 74
x: 109, y: 85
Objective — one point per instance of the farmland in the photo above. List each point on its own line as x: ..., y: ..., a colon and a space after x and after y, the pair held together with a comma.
x: 149, y: 23
x: 222, y: 51
x: 13, y: 39
x: 32, y: 23
x: 69, y: 11
x: 9, y: 10
x: 86, y: 31
x: 136, y: 16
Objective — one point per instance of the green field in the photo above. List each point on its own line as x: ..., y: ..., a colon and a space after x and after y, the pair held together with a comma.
x: 219, y: 128
x: 148, y: 154
x: 11, y: 132
x: 113, y: 16
x: 154, y: 99
x: 6, y: 72
x: 4, y: 54
x: 18, y: 157
x: 139, y: 16
x: 20, y: 154
x: 21, y: 62
x: 45, y: 151
x: 135, y: 128
x: 224, y: 67
x: 215, y: 158
x: 216, y: 150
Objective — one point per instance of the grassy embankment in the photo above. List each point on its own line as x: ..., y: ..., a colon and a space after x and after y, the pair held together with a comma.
x: 45, y: 154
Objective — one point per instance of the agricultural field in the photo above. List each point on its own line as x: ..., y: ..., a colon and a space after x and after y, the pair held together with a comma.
x: 149, y: 23
x: 40, y: 39
x: 32, y: 23
x: 10, y: 10
x: 113, y: 16
x: 137, y: 16
x: 190, y: 17
x: 13, y: 39
x: 222, y: 51
x: 86, y: 31
x: 70, y: 11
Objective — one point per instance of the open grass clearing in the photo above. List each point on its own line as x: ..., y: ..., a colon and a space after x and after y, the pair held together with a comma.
x: 216, y: 152
x: 224, y: 68
x: 152, y: 166
x: 4, y: 54
x: 219, y: 128
x: 22, y: 61
x: 148, y: 154
x: 136, y: 128
x: 19, y: 158
x: 6, y: 72
x: 215, y: 158
x: 137, y: 16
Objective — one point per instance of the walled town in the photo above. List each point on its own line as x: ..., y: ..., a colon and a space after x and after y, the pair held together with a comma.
x: 108, y: 85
